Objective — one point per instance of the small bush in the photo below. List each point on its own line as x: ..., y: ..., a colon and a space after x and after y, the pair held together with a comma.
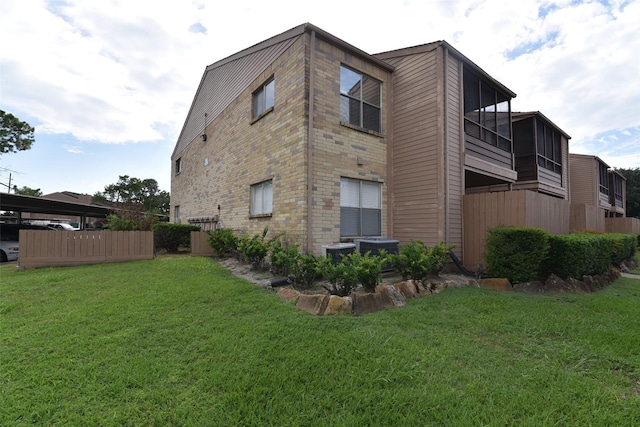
x: 416, y: 262
x: 516, y: 253
x: 254, y: 249
x: 223, y: 241
x: 171, y: 236
x: 367, y: 268
x: 304, y: 270
x: 343, y: 276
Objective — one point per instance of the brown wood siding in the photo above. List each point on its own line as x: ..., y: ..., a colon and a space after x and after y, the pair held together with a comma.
x: 416, y: 149
x: 454, y: 173
x: 477, y: 148
x: 584, y: 180
x: 221, y: 85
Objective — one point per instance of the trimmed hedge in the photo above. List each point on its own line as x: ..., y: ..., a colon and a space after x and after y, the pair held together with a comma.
x: 516, y: 253
x: 578, y: 254
x: 170, y: 236
x: 522, y: 254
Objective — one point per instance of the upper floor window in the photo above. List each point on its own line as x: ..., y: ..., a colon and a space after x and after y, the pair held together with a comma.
x: 549, y: 147
x: 360, y: 208
x: 178, y: 165
x: 263, y: 98
x: 487, y: 112
x: 604, y: 178
x: 262, y: 198
x: 360, y: 99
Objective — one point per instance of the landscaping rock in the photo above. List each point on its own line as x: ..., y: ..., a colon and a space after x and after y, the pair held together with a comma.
x: 497, y: 284
x: 555, y: 284
x: 288, y: 294
x: 578, y: 286
x: 407, y: 289
x: 396, y: 296
x: 338, y: 305
x: 387, y: 299
x: 366, y: 303
x: 315, y: 303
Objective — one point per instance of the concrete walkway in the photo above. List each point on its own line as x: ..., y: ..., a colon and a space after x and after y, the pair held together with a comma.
x: 630, y: 276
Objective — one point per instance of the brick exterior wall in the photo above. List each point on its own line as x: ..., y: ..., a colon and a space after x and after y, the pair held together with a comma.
x: 339, y: 150
x: 239, y: 153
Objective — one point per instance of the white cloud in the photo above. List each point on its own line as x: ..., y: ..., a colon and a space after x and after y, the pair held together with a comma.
x: 121, y: 71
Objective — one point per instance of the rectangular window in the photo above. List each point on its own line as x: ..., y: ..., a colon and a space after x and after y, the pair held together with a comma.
x: 360, y: 99
x: 549, y: 146
x: 604, y: 179
x: 263, y: 98
x: 176, y: 214
x: 178, y: 165
x: 360, y: 208
x: 487, y: 112
x: 262, y: 198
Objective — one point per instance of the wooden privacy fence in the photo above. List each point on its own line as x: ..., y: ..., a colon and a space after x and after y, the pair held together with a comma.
x: 587, y: 217
x: 623, y: 225
x: 40, y: 248
x: 521, y: 208
x: 199, y: 244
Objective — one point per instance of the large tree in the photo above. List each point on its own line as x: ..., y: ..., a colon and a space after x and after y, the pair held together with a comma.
x: 130, y: 191
x: 15, y: 135
x: 633, y: 191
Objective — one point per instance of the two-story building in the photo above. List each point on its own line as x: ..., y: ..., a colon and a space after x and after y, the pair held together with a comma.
x: 311, y: 136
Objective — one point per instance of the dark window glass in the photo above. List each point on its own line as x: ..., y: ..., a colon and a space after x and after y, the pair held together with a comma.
x: 263, y: 98
x: 360, y: 99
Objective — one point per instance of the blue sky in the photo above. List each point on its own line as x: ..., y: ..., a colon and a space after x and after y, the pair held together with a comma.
x: 108, y: 84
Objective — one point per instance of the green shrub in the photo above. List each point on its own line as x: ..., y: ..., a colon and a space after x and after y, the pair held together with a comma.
x: 579, y: 254
x: 301, y: 269
x: 342, y: 276
x: 254, y: 249
x: 223, y: 241
x: 304, y: 270
x: 171, y: 236
x: 367, y: 268
x: 622, y: 247
x: 416, y: 261
x: 516, y: 253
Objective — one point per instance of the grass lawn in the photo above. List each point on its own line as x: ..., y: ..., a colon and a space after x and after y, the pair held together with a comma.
x: 179, y: 341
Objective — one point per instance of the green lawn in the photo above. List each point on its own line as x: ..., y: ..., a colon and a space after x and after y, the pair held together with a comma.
x: 179, y: 341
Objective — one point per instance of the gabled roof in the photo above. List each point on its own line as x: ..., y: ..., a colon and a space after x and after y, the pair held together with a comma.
x: 224, y: 80
x: 517, y: 116
x: 428, y: 47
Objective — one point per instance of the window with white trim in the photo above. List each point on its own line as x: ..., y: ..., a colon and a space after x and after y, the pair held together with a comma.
x: 262, y: 198
x: 360, y: 99
x: 263, y: 98
x: 360, y: 208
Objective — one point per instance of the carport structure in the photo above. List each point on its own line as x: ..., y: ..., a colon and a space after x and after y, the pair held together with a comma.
x: 18, y: 203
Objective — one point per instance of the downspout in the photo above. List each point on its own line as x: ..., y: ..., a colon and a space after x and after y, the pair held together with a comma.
x: 312, y: 66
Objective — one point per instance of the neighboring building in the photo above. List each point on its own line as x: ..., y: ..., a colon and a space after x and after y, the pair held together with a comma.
x: 590, y: 182
x: 311, y: 136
